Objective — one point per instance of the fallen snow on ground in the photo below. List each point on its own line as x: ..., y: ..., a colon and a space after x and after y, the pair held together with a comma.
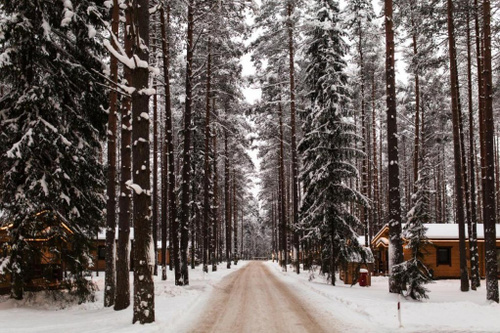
x: 174, y: 306
x: 374, y: 309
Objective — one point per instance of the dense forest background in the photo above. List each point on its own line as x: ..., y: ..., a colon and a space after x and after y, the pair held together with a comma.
x: 370, y: 113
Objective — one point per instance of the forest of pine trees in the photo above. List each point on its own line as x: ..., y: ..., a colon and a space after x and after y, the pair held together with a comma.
x: 124, y: 114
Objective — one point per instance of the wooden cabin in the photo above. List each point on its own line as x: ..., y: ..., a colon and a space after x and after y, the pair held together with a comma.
x: 48, y: 239
x: 356, y: 265
x: 442, y: 256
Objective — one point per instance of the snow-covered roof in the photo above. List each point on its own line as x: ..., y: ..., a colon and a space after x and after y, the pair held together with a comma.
x: 450, y: 231
x: 356, y: 257
x: 102, y: 236
x: 445, y: 231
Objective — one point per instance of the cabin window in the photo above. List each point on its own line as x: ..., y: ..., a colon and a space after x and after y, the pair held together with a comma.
x: 101, y: 253
x: 498, y: 260
x: 443, y: 256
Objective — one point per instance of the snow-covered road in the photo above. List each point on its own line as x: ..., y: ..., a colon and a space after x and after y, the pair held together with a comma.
x: 255, y: 300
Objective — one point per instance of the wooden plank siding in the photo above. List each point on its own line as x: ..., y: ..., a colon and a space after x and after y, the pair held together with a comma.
x: 440, y: 271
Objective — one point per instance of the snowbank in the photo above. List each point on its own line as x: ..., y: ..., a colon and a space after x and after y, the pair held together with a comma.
x: 174, y: 306
x: 374, y: 309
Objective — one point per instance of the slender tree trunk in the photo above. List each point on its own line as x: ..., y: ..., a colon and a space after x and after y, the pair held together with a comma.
x: 227, y: 205
x: 474, y: 255
x: 364, y: 166
x: 143, y: 281
x: 109, y: 281
x: 155, y: 169
x: 295, y: 172
x: 416, y: 148
x: 489, y: 209
x: 194, y: 219
x: 459, y: 187
x: 206, y: 181
x: 480, y: 60
x: 122, y: 299
x: 186, y: 159
x: 284, y: 255
x: 235, y: 220
x: 395, y: 246
x: 376, y: 188
x: 168, y: 176
x: 215, y: 221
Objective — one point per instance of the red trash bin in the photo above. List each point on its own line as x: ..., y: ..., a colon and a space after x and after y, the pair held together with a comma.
x: 363, y: 277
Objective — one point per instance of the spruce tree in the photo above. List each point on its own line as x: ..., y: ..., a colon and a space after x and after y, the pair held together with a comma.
x: 328, y: 145
x: 51, y: 124
x: 413, y: 273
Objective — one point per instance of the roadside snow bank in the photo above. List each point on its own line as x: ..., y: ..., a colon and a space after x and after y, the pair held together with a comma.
x: 374, y: 309
x: 173, y: 306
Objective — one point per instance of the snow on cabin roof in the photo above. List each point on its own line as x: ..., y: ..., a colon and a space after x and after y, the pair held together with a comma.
x: 450, y: 231
x: 356, y: 257
x: 446, y: 231
x: 102, y: 236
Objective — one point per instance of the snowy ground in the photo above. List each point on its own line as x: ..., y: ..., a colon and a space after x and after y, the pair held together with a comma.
x: 374, y: 309
x: 174, y: 306
x: 369, y: 309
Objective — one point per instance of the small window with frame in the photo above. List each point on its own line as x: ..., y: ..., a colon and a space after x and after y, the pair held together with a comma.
x: 101, y: 253
x: 498, y: 260
x: 443, y: 256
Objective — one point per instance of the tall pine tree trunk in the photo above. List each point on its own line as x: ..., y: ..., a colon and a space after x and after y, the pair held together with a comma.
x: 227, y: 203
x: 295, y: 170
x: 186, y: 156
x: 284, y: 255
x: 235, y: 219
x: 215, y: 220
x: 169, y: 157
x: 155, y: 170
x: 489, y: 209
x: 165, y: 170
x: 109, y: 281
x: 395, y: 245
x: 206, y: 180
x: 474, y: 255
x: 459, y: 185
x: 376, y: 184
x: 122, y: 299
x: 143, y: 280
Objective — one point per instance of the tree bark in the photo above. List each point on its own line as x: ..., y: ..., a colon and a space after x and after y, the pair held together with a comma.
x: 227, y: 204
x: 155, y: 169
x: 143, y: 280
x: 169, y: 156
x: 489, y: 206
x: 235, y: 220
x: 395, y: 246
x: 109, y: 280
x: 295, y: 171
x: 215, y: 220
x: 376, y: 186
x: 284, y: 255
x: 206, y: 180
x: 122, y: 299
x: 474, y: 255
x: 186, y: 158
x: 168, y: 186
x: 459, y: 186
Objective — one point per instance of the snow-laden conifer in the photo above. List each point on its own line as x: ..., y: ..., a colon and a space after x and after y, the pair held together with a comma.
x: 413, y: 273
x: 51, y: 125
x: 328, y: 145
